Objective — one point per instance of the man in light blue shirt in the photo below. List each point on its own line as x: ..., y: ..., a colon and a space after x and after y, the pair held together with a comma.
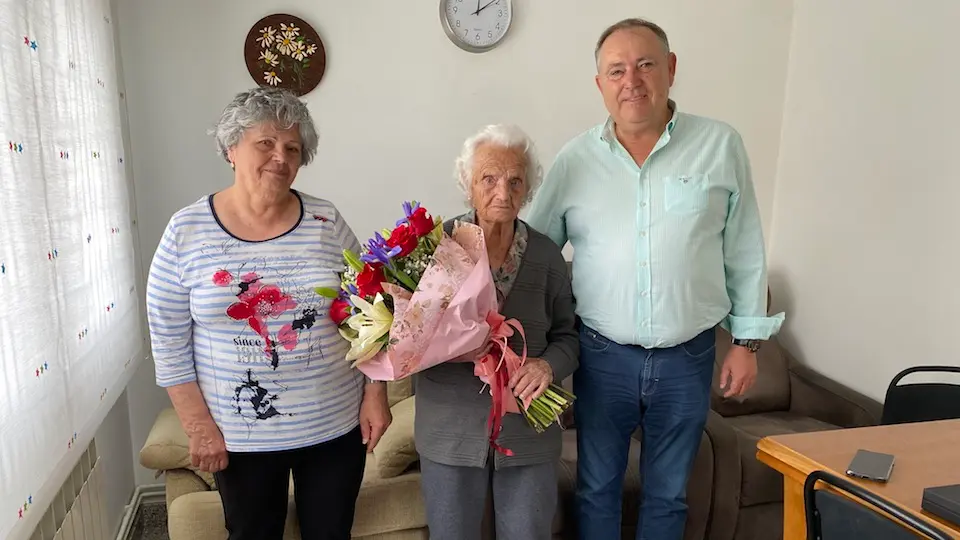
x: 660, y: 209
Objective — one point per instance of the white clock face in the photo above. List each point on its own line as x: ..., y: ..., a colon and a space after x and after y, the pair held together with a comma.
x: 476, y: 25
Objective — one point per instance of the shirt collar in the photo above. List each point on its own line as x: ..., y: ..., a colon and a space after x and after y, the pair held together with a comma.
x: 608, y: 135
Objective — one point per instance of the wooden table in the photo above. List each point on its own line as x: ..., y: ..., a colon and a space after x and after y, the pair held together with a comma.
x: 927, y: 454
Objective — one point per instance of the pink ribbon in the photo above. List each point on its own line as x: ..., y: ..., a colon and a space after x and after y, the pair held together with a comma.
x: 495, y: 367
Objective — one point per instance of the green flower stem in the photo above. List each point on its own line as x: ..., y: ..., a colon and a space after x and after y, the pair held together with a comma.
x: 402, y: 278
x: 547, y: 408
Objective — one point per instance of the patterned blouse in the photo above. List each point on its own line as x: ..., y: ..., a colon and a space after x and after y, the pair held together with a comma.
x: 504, y: 276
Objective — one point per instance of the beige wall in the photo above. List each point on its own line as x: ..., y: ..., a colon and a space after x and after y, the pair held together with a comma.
x: 864, y: 241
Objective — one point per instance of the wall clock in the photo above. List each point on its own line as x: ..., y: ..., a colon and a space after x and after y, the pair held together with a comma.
x: 284, y: 51
x: 476, y: 25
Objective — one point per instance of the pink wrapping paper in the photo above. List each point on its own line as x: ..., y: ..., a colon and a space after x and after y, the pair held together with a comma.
x: 446, y: 318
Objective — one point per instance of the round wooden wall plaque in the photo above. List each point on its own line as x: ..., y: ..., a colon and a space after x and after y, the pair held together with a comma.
x: 284, y: 51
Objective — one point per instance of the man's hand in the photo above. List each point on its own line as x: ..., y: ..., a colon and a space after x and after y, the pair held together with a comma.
x: 739, y: 371
x: 375, y: 415
x: 208, y: 451
x: 532, y: 379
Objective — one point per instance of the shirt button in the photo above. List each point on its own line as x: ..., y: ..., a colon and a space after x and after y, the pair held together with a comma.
x: 643, y: 233
x: 643, y: 264
x: 644, y: 293
x: 643, y: 205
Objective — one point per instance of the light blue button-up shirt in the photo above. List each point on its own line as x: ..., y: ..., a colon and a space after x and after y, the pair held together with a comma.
x: 665, y: 250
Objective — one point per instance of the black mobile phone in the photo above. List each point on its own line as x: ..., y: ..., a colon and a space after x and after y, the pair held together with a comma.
x: 869, y: 465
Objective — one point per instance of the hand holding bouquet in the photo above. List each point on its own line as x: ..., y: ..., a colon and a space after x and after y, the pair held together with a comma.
x: 416, y: 297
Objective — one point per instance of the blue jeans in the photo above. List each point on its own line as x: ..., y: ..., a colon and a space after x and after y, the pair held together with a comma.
x: 664, y: 391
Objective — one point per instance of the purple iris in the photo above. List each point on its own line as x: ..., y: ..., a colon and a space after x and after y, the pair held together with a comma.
x: 345, y: 294
x: 378, y: 251
x: 408, y: 210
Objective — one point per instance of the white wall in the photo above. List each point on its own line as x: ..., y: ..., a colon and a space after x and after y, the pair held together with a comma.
x: 113, y: 446
x: 864, y: 247
x: 398, y: 98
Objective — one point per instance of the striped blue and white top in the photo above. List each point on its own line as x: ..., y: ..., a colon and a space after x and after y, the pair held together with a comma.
x: 242, y: 319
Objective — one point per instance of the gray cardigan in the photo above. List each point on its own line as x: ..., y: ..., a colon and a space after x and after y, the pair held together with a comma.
x: 451, y: 411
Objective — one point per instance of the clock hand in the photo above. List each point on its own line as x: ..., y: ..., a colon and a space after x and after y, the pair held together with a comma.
x: 478, y: 8
x: 488, y: 4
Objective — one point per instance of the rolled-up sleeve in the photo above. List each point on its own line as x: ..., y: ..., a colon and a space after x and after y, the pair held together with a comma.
x: 168, y: 315
x: 744, y: 258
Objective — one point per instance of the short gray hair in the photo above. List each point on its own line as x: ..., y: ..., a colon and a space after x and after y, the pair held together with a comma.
x: 505, y: 136
x: 266, y: 104
x: 630, y: 24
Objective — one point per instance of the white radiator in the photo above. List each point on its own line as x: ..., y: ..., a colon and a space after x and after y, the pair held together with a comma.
x: 77, y: 513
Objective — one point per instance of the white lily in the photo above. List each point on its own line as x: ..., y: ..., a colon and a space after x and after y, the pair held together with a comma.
x: 371, y: 324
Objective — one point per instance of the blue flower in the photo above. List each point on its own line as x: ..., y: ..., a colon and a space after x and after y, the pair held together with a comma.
x: 378, y: 251
x: 408, y: 210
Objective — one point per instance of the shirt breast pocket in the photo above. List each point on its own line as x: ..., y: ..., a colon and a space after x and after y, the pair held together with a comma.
x: 686, y: 193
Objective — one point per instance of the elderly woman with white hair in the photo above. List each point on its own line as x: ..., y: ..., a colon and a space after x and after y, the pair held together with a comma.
x: 253, y: 364
x: 498, y: 171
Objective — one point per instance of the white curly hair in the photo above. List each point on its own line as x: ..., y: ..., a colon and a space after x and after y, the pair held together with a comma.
x: 507, y: 136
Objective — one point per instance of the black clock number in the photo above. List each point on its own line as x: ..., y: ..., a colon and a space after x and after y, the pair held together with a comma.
x: 490, y: 34
x: 458, y: 23
x: 500, y: 13
x: 478, y: 37
x: 455, y: 9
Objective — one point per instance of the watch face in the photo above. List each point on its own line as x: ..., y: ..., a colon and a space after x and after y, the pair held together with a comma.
x: 476, y: 25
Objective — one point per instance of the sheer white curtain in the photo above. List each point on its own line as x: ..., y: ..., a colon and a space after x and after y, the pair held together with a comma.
x: 69, y: 311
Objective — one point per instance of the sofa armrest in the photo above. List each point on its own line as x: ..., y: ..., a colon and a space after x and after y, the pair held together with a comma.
x: 725, y: 504
x: 167, y: 446
x: 819, y: 397
x: 181, y: 482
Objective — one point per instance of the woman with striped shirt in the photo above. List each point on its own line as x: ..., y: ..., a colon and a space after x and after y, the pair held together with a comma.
x: 254, y: 366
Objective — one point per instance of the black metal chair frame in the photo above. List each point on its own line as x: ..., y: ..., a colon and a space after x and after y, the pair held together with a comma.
x: 813, y: 517
x: 895, y: 384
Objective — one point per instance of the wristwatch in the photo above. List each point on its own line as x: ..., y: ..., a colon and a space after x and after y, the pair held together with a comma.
x: 752, y: 345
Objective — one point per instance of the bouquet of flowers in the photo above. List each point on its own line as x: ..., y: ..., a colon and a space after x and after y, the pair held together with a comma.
x: 416, y: 297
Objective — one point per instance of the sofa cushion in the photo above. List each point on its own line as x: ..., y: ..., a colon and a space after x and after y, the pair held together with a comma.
x: 388, y: 504
x: 167, y: 447
x: 398, y: 391
x: 397, y: 451
x: 770, y: 393
x: 761, y: 484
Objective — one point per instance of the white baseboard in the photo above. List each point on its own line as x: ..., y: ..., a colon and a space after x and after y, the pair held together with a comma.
x: 145, y: 494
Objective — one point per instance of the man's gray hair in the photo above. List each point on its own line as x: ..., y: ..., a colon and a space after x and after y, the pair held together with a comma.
x: 266, y: 104
x: 630, y: 24
x: 506, y: 136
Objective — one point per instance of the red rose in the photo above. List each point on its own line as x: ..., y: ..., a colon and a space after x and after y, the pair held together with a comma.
x: 403, y: 237
x: 339, y: 310
x: 421, y: 222
x: 369, y: 281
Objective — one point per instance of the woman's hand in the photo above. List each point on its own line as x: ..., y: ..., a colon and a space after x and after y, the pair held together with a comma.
x: 532, y: 379
x: 375, y: 416
x: 208, y: 451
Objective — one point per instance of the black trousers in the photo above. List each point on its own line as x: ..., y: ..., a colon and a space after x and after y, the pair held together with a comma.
x: 254, y: 489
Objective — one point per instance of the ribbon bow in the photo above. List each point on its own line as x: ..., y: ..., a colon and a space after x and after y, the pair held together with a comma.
x: 494, y: 367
